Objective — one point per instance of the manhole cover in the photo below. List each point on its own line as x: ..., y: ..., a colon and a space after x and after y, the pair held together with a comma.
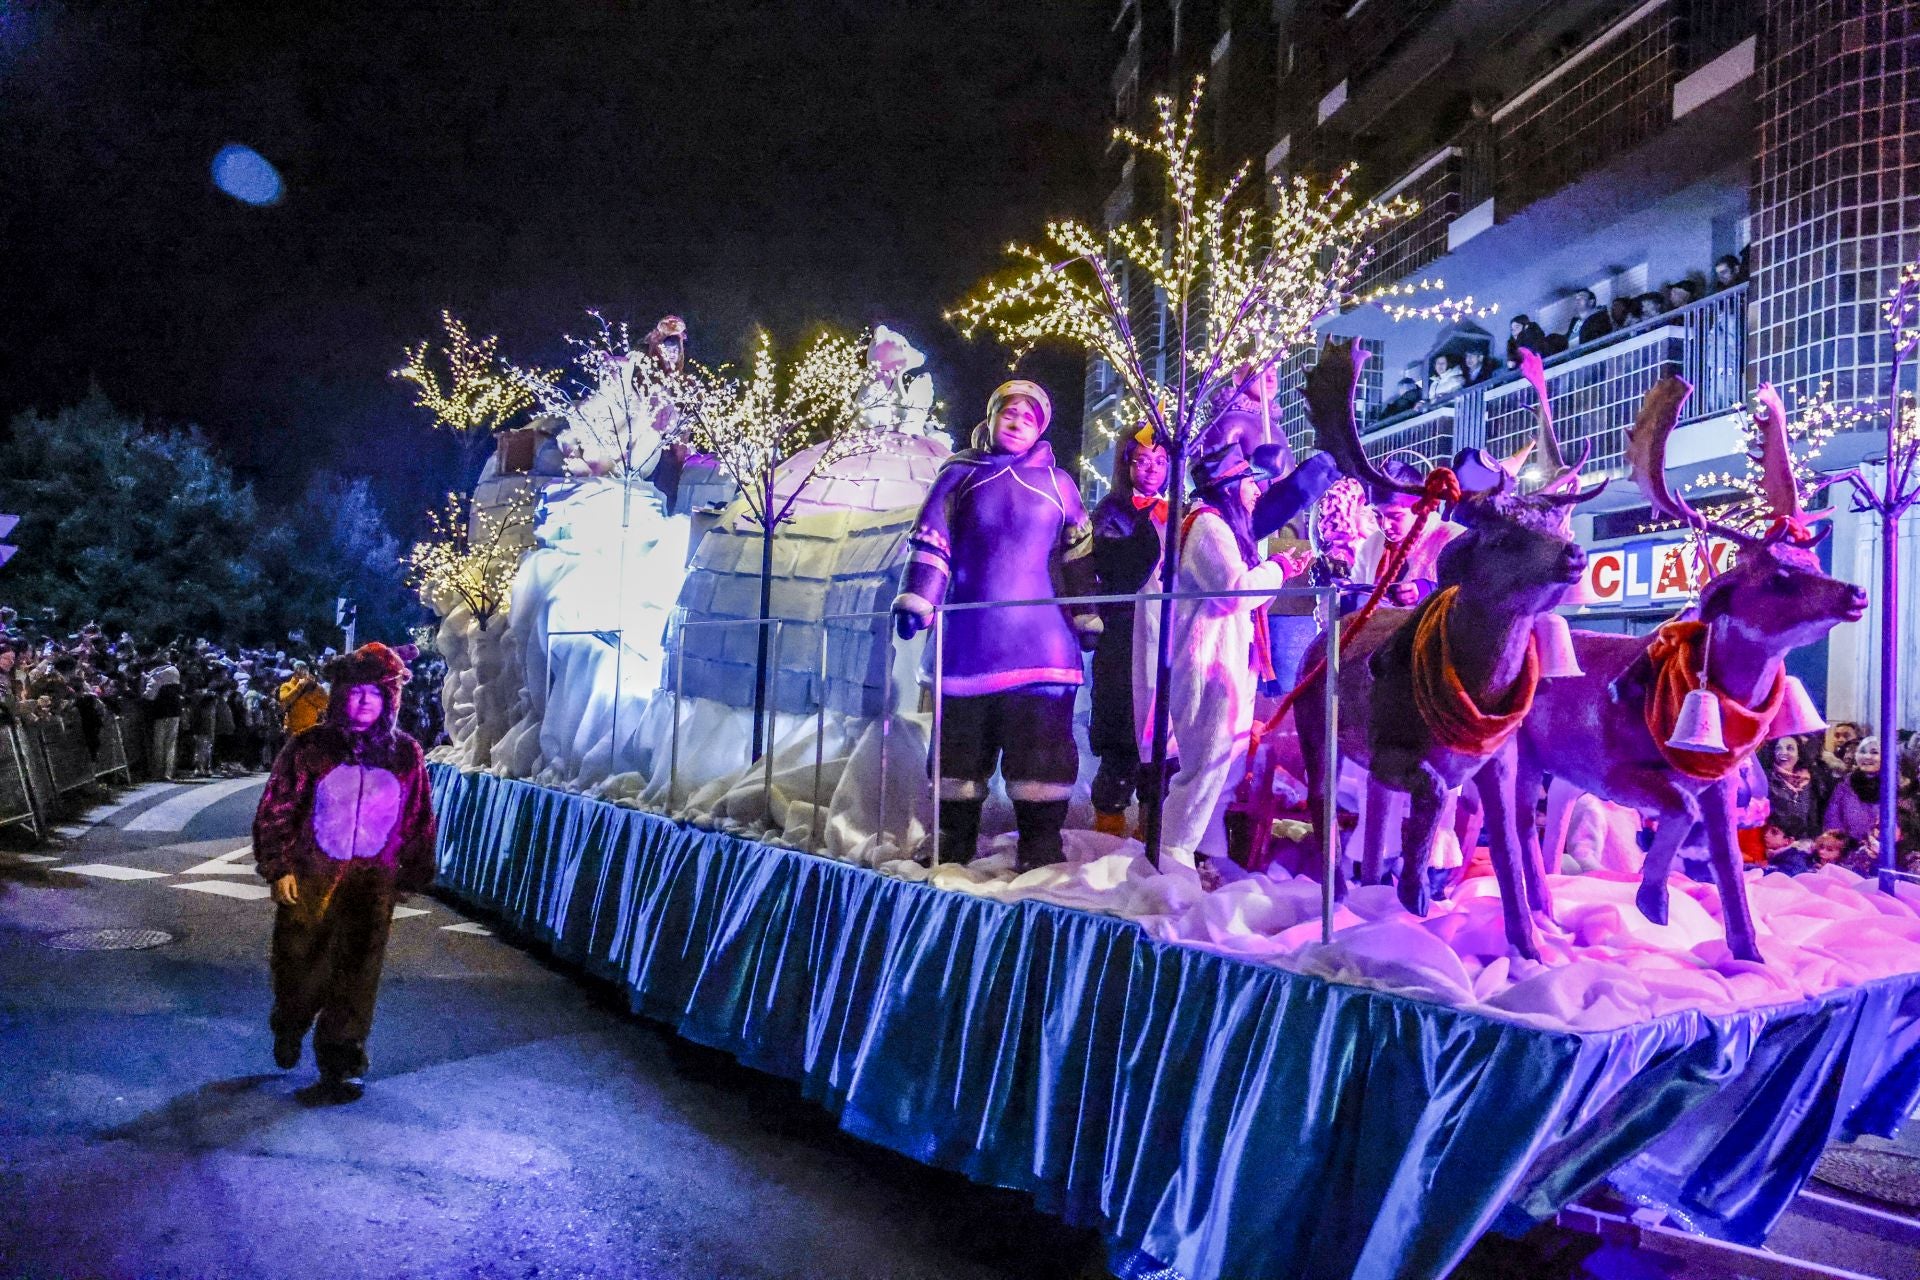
x: 109, y: 939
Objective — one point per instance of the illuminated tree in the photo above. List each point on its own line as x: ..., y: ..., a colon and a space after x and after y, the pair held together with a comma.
x: 618, y: 408
x: 751, y: 428
x: 471, y: 556
x: 1898, y: 417
x: 474, y: 397
x: 1244, y: 285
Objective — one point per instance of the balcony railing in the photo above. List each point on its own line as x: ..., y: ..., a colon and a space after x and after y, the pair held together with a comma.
x: 1595, y: 389
x: 1609, y: 96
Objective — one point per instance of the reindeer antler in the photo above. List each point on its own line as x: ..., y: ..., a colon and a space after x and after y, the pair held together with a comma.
x: 1329, y: 398
x: 1647, y: 456
x: 1776, y: 461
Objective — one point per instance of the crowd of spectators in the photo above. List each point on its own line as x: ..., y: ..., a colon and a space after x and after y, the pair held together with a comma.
x: 1823, y: 801
x: 198, y: 709
x: 1450, y: 372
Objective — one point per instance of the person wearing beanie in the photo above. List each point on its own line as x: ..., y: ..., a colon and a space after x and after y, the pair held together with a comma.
x: 1394, y: 515
x: 344, y: 828
x: 999, y: 522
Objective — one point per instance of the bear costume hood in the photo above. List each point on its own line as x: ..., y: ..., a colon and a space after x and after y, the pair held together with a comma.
x: 372, y: 663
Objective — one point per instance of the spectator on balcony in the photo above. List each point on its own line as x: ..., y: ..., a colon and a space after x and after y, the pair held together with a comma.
x: 1589, y: 322
x: 1679, y: 294
x: 1406, y: 398
x: 1475, y: 367
x: 1651, y: 306
x: 1727, y: 272
x: 1446, y: 379
x: 1620, y: 313
x: 1523, y: 333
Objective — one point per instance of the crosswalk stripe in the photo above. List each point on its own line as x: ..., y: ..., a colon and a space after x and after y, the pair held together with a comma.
x: 145, y: 791
x: 229, y: 889
x: 227, y: 864
x: 175, y: 813
x: 467, y: 926
x: 110, y: 871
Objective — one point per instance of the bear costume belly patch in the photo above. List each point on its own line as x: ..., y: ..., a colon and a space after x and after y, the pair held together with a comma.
x: 355, y: 809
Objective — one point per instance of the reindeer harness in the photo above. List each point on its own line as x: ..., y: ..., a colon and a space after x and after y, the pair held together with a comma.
x: 1675, y: 658
x: 1455, y: 720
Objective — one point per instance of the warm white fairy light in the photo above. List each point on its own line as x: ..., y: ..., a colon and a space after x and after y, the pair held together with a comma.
x: 616, y: 393
x: 477, y: 395
x: 471, y: 555
x: 1244, y: 285
x: 750, y: 428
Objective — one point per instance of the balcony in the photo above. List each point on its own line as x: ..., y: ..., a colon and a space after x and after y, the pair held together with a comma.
x: 1624, y: 87
x: 1595, y: 389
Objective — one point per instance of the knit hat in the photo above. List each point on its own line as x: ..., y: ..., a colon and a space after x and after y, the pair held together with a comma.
x: 1021, y: 387
x: 371, y: 663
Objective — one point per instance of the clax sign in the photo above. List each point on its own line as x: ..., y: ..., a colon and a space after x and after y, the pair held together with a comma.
x: 1653, y: 571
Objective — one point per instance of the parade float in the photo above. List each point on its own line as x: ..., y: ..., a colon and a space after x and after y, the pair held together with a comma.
x: 693, y: 756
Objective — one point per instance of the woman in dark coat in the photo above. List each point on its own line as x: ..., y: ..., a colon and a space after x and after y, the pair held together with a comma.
x: 1524, y: 333
x: 1129, y: 530
x: 1795, y: 803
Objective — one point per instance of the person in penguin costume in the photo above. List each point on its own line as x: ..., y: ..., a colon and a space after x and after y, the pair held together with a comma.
x: 344, y: 829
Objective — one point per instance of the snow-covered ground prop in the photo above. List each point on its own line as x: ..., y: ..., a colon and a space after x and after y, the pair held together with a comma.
x: 1602, y: 965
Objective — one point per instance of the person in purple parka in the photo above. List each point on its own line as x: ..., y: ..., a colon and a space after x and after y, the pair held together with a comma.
x: 1002, y: 522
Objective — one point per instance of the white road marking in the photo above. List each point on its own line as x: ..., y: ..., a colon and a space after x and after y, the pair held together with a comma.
x: 145, y: 791
x: 175, y: 813
x: 403, y: 913
x: 31, y: 857
x: 72, y: 831
x: 236, y: 863
x: 229, y: 889
x: 108, y: 871
x: 478, y: 930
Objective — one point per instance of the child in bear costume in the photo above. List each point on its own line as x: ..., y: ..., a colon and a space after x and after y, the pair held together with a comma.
x: 1000, y: 522
x: 345, y: 827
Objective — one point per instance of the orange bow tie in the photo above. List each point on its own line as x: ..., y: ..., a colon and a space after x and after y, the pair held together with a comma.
x: 1159, y: 506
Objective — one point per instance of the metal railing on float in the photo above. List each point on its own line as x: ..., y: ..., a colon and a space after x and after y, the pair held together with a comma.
x: 932, y: 686
x: 45, y: 759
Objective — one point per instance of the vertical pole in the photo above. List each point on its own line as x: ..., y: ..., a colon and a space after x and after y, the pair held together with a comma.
x: 1890, y: 667
x: 679, y: 685
x: 1329, y: 817
x: 766, y: 747
x: 819, y: 738
x: 939, y: 711
x: 761, y: 672
x: 886, y: 729
x: 1163, y: 658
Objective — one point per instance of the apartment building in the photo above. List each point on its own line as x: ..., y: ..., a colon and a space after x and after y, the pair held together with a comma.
x: 1618, y: 148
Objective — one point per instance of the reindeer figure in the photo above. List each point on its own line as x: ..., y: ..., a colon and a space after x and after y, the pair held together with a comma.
x: 1443, y: 686
x: 1597, y: 731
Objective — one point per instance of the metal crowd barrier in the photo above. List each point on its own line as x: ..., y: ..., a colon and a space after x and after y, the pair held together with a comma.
x: 1325, y: 598
x: 43, y: 760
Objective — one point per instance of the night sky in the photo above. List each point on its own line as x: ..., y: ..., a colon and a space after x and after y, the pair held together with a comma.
x: 735, y: 163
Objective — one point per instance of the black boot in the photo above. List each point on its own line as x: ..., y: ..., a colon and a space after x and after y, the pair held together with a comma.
x: 1039, y: 823
x: 959, y: 829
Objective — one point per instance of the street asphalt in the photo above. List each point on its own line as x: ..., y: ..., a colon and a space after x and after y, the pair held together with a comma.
x: 518, y: 1122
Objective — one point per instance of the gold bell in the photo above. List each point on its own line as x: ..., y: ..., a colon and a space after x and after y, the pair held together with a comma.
x: 1554, y: 642
x: 1698, y: 727
x: 1797, y: 714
